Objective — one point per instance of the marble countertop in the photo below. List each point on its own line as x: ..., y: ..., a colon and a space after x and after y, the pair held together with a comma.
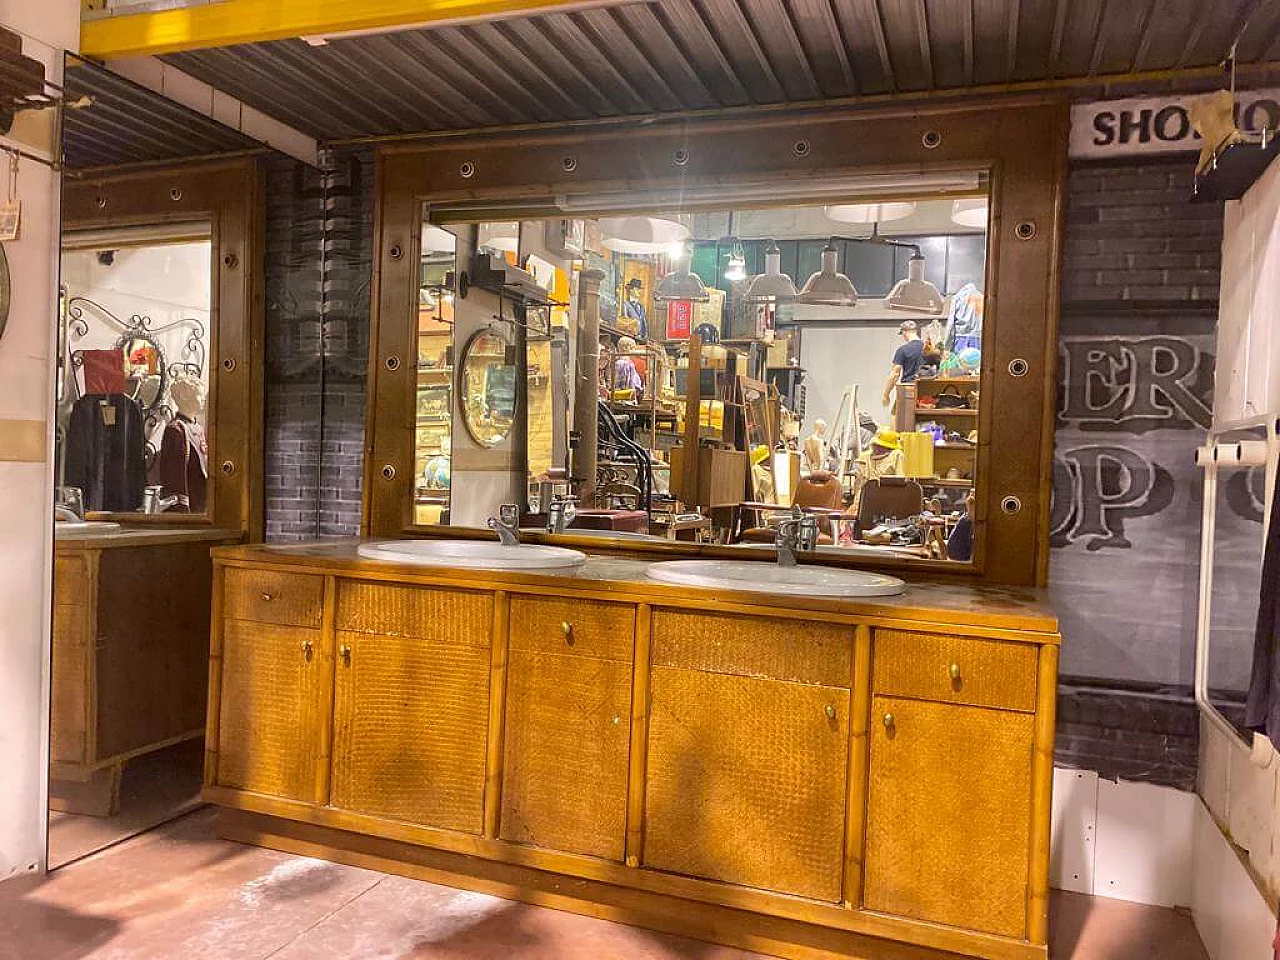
x: 925, y: 599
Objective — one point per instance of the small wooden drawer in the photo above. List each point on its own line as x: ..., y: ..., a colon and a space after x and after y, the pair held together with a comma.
x: 427, y: 613
x: 776, y: 648
x: 266, y: 596
x: 935, y: 666
x: 587, y: 628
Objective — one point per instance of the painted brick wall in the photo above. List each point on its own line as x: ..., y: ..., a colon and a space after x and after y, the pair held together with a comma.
x: 1140, y: 278
x: 318, y: 249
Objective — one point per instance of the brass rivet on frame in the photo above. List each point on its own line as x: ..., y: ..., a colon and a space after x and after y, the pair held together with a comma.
x: 397, y: 252
x: 228, y: 468
x: 1025, y: 230
x: 1011, y: 505
x: 1018, y: 367
x: 467, y: 170
x: 931, y: 139
x: 175, y: 194
x: 680, y: 157
x: 388, y: 472
x: 101, y: 201
x: 392, y: 363
x: 800, y: 148
x: 229, y: 364
x: 570, y: 164
x: 231, y: 261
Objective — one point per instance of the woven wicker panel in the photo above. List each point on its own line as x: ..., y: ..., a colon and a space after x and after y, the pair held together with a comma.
x: 451, y: 616
x: 949, y: 815
x: 69, y: 680
x: 271, y: 597
x: 596, y: 629
x: 69, y: 584
x: 993, y: 673
x: 270, y: 710
x: 746, y: 781
x: 805, y: 652
x: 411, y: 720
x: 568, y: 728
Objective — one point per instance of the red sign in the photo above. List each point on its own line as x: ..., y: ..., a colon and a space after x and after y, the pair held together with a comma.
x: 679, y: 319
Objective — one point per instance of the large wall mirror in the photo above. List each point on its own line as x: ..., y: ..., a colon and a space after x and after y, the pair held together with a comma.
x: 838, y: 349
x: 849, y: 315
x: 133, y: 371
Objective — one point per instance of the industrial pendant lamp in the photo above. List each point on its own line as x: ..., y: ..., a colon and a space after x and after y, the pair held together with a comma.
x: 869, y: 212
x: 970, y: 213
x: 680, y: 284
x: 828, y: 285
x: 773, y: 284
x: 641, y: 235
x: 915, y: 292
x: 736, y: 268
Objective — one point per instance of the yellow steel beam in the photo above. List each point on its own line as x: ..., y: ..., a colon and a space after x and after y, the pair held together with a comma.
x: 225, y: 22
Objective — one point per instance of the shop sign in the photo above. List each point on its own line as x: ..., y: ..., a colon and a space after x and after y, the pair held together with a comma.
x: 1148, y: 125
x: 679, y: 319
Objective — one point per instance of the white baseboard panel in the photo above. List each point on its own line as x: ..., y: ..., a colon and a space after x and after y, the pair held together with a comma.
x: 1231, y: 914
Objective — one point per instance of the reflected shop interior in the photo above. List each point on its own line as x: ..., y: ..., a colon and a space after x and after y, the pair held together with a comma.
x: 823, y: 359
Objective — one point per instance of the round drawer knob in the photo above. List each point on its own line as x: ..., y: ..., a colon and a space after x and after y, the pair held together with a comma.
x: 567, y: 629
x: 830, y: 711
x: 888, y: 721
x: 955, y: 673
x: 266, y: 598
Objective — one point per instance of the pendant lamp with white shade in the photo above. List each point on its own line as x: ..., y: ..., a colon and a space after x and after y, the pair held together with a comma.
x: 915, y: 292
x: 829, y: 286
x: 773, y: 284
x: 680, y: 284
x: 869, y: 212
x: 641, y: 235
x: 970, y: 213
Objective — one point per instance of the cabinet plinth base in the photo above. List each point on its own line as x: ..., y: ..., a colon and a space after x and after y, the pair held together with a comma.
x: 776, y: 936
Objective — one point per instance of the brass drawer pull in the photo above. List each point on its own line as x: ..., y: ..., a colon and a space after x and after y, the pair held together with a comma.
x: 567, y: 629
x: 267, y: 598
x: 955, y: 673
x: 307, y: 647
x: 830, y: 711
x: 888, y: 721
x: 344, y: 652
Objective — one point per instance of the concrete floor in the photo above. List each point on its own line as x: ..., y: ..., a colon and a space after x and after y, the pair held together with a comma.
x: 179, y: 892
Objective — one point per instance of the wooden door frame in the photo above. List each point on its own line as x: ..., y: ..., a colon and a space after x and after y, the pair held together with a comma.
x: 1020, y: 142
x: 229, y: 194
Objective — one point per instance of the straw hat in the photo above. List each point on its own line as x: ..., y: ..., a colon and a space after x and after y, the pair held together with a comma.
x: 887, y: 439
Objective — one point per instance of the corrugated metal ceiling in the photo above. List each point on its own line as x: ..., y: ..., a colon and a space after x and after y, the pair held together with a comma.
x: 128, y: 124
x: 670, y: 56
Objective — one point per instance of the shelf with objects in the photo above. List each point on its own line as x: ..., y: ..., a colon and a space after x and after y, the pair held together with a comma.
x: 433, y: 403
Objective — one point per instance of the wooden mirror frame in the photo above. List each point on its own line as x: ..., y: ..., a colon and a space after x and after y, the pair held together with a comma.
x: 1021, y: 143
x: 229, y: 195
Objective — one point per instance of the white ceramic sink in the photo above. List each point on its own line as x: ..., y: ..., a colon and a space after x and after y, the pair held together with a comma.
x: 802, y: 581
x: 67, y: 527
x: 472, y: 554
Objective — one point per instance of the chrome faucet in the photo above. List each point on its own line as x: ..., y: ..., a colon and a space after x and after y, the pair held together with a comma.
x: 68, y: 503
x: 799, y: 532
x: 152, y: 502
x: 560, y: 513
x: 507, y: 524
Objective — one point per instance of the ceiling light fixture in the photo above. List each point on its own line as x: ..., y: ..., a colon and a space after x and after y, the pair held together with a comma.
x: 503, y: 236
x: 869, y: 212
x: 736, y: 268
x: 643, y: 235
x: 680, y: 284
x: 915, y: 292
x: 829, y: 286
x: 773, y: 284
x: 971, y: 213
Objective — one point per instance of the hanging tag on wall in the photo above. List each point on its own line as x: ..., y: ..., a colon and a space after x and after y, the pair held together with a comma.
x: 11, y: 209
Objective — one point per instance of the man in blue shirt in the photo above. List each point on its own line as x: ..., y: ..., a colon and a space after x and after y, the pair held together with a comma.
x: 906, y: 359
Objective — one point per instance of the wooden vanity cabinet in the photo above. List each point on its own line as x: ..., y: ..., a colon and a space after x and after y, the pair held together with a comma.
x: 817, y: 783
x: 568, y: 725
x: 748, y: 751
x: 411, y: 703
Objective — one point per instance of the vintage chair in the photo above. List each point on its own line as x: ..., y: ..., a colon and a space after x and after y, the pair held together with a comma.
x: 819, y: 493
x: 887, y: 498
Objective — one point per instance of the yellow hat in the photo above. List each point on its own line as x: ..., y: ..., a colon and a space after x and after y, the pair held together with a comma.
x: 887, y: 439
x: 760, y: 454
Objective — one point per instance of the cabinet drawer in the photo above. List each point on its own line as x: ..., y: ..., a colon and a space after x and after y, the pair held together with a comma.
x: 770, y: 647
x: 585, y: 628
x: 266, y: 596
x: 427, y: 613
x: 932, y: 666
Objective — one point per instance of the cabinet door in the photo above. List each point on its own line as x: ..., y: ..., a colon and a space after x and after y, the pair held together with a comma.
x: 411, y: 723
x: 275, y: 683
x: 949, y: 814
x: 568, y: 725
x: 746, y: 781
